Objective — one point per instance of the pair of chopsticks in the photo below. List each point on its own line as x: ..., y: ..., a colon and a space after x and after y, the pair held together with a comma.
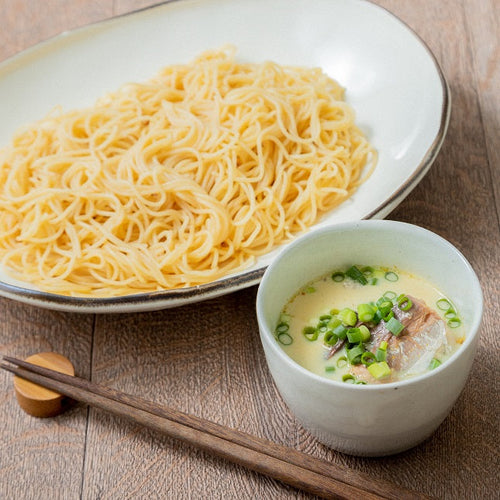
x: 285, y: 464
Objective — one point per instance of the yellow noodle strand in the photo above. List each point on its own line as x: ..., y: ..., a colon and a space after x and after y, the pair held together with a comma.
x: 177, y: 181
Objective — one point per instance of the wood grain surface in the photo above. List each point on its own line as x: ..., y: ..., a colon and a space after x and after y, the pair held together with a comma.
x: 206, y: 358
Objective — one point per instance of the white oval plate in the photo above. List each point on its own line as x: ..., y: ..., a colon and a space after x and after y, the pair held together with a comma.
x: 393, y: 81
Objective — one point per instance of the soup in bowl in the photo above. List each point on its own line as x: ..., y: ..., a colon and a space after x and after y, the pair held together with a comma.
x: 369, y: 329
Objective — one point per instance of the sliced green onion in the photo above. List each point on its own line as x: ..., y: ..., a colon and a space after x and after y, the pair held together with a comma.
x: 329, y: 368
x: 348, y: 316
x: 355, y: 274
x: 325, y: 317
x: 389, y: 295
x: 394, y: 326
x: 282, y: 334
x: 365, y: 333
x: 366, y: 312
x: 367, y: 270
x: 341, y: 362
x: 330, y: 338
x: 367, y: 358
x: 338, y: 276
x: 354, y: 335
x: 381, y: 355
x: 360, y: 382
x: 333, y: 323
x: 379, y: 370
x: 385, y: 307
x: 348, y: 378
x: 391, y: 276
x: 359, y: 334
x: 282, y: 327
x: 285, y: 338
x: 374, y: 281
x: 310, y: 333
x: 377, y: 318
x: 434, y: 363
x: 454, y: 322
x: 404, y: 303
x: 354, y: 354
x: 443, y: 304
x: 333, y: 312
x: 389, y: 316
x: 340, y: 331
x: 450, y: 313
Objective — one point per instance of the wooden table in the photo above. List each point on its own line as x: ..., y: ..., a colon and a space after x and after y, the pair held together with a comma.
x: 207, y: 359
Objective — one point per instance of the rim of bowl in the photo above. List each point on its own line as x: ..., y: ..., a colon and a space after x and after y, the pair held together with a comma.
x: 398, y: 226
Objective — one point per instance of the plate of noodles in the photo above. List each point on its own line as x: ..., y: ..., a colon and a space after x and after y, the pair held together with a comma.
x: 139, y: 176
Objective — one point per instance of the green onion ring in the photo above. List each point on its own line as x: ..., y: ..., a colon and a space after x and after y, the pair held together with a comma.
x: 285, y: 338
x: 354, y: 354
x: 367, y: 270
x: 389, y: 316
x: 330, y: 338
x: 443, y: 304
x: 348, y: 378
x: 404, y: 303
x: 310, y: 333
x: 282, y: 328
x: 391, y: 276
x: 338, y: 276
x: 454, y: 322
x: 341, y: 362
x: 367, y: 358
x: 381, y: 354
x: 394, y: 326
x: 450, y: 313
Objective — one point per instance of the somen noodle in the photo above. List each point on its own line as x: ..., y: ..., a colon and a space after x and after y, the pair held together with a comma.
x: 179, y: 180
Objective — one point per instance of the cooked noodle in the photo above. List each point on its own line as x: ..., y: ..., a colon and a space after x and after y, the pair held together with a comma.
x: 177, y: 181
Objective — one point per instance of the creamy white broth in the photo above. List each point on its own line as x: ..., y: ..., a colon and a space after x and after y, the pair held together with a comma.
x: 319, y: 297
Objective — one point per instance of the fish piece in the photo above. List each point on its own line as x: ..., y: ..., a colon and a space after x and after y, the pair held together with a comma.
x: 332, y: 350
x: 422, y: 339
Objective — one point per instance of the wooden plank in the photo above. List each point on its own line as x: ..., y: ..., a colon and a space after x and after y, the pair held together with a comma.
x: 483, y: 22
x: 27, y: 22
x: 456, y: 200
x: 42, y: 458
x: 204, y: 359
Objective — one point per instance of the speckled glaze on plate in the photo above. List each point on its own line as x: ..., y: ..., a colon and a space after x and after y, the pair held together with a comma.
x: 392, y: 80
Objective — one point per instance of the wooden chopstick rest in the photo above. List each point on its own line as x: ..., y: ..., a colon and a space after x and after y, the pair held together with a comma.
x: 37, y: 400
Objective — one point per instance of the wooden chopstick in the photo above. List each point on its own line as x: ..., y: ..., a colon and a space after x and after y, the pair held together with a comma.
x: 288, y: 465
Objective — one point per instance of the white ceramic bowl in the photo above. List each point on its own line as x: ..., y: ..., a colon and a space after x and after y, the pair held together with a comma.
x: 370, y: 420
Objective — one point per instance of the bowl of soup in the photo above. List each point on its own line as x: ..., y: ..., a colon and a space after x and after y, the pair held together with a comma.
x: 369, y: 329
